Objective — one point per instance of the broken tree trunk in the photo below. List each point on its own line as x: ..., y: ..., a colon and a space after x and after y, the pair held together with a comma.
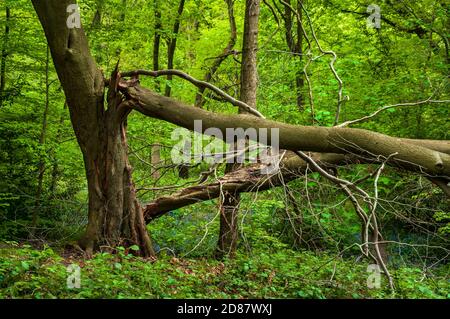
x: 423, y: 156
x: 115, y: 216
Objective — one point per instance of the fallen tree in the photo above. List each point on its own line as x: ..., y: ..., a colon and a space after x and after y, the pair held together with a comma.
x: 413, y: 155
x: 116, y: 217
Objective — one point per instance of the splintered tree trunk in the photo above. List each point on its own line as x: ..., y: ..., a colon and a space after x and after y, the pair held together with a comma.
x: 115, y: 215
x: 229, y: 232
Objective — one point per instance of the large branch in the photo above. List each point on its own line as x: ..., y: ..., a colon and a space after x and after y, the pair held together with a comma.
x: 246, y: 179
x: 412, y: 155
x: 251, y: 179
x: 198, y: 83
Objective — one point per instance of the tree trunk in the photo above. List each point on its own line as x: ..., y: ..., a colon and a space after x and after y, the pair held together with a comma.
x: 43, y: 135
x: 299, y: 81
x: 157, y: 42
x: 4, y: 56
x: 230, y: 201
x: 183, y: 170
x: 249, y: 70
x: 156, y: 161
x: 115, y: 217
x: 295, y: 46
x: 429, y: 157
x: 199, y: 100
x: 173, y: 45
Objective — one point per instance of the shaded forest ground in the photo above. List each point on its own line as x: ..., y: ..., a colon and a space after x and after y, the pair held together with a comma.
x: 30, y: 273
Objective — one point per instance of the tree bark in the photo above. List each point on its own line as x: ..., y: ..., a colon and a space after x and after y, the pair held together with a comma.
x: 423, y: 156
x: 173, y: 45
x: 115, y: 216
x: 157, y: 42
x: 230, y: 201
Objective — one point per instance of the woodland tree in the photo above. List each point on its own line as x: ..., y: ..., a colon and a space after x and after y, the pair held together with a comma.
x: 99, y: 107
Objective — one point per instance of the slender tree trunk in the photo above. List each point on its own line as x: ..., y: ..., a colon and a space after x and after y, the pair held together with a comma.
x: 183, y: 170
x: 156, y: 161
x: 230, y: 201
x: 157, y: 42
x: 249, y: 71
x: 295, y: 46
x: 55, y: 166
x: 42, y: 138
x: 199, y: 100
x: 97, y: 21
x: 299, y: 80
x: 173, y: 44
x: 4, y: 56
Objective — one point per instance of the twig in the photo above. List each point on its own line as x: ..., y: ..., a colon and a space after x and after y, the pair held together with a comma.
x: 367, y: 117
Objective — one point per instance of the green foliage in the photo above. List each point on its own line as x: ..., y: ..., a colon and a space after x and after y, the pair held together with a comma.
x: 444, y: 218
x: 30, y: 273
x: 295, y: 247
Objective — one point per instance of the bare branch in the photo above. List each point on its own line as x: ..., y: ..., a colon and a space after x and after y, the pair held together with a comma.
x: 197, y: 83
x: 384, y: 108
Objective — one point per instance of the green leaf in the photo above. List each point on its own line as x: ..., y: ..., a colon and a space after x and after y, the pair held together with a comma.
x: 25, y: 265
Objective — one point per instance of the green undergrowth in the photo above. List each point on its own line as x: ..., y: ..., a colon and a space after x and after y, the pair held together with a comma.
x: 26, y: 272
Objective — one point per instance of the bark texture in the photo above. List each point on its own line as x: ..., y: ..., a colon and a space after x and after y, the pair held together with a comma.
x: 115, y: 216
x: 427, y: 157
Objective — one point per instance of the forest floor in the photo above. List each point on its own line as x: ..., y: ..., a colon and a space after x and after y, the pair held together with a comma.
x: 27, y: 272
